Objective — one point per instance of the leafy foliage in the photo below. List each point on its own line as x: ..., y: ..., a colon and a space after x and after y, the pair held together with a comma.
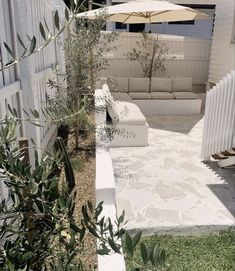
x: 151, y: 257
x: 37, y: 220
x: 84, y: 51
x: 48, y: 35
x: 150, y: 53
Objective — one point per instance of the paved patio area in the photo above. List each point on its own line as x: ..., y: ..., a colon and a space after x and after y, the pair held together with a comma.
x: 166, y: 187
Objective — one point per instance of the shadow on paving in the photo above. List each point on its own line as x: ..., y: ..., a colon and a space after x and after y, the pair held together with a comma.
x: 179, y: 124
x: 225, y: 192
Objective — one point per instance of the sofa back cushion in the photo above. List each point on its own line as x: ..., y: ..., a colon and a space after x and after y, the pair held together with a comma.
x: 110, y: 104
x: 122, y: 84
x: 138, y: 85
x: 182, y: 84
x: 161, y: 85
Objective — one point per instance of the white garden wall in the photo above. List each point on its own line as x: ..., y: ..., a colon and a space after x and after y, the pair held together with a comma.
x: 188, y: 57
x: 24, y: 86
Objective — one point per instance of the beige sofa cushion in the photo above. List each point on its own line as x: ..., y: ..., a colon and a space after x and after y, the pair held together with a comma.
x: 122, y: 84
x: 129, y: 113
x: 182, y: 84
x: 138, y: 85
x: 161, y: 84
x: 110, y: 104
x: 184, y: 95
x: 162, y: 96
x: 121, y: 96
x: 118, y: 84
x: 140, y: 95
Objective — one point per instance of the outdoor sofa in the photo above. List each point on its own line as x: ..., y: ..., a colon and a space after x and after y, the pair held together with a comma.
x: 162, y: 96
x: 128, y: 123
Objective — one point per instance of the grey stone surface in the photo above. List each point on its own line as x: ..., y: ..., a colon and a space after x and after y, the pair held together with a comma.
x: 166, y: 186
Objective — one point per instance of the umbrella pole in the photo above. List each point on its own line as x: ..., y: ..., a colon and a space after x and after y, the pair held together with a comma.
x: 150, y: 25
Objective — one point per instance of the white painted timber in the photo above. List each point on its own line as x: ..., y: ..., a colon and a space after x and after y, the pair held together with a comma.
x: 223, y: 49
x: 219, y: 126
x: 168, y: 107
x: 187, y: 57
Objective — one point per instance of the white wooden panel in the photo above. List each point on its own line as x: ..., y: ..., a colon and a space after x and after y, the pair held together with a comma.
x: 188, y: 57
x: 223, y: 51
x: 219, y: 120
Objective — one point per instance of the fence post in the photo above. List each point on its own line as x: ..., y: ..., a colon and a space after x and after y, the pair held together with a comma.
x: 24, y: 146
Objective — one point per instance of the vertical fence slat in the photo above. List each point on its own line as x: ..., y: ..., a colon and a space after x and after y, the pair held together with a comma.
x: 219, y: 123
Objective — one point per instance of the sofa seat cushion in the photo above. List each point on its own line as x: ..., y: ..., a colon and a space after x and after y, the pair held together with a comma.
x: 162, y: 96
x: 140, y: 95
x: 184, y: 95
x: 138, y: 85
x: 121, y: 96
x: 130, y: 114
x: 161, y: 84
x: 182, y: 84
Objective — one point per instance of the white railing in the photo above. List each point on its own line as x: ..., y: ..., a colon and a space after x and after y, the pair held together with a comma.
x: 187, y: 57
x: 219, y: 126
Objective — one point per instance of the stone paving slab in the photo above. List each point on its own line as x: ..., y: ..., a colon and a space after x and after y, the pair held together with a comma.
x: 166, y: 186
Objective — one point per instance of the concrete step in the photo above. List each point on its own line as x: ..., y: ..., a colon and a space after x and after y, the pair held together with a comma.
x: 229, y: 152
x: 219, y: 156
x: 230, y: 162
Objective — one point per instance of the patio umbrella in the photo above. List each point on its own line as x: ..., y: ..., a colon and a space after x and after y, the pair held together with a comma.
x: 146, y: 11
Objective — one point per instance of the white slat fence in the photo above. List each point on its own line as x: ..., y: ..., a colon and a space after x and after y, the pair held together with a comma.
x: 219, y: 126
x: 24, y: 86
x: 187, y: 57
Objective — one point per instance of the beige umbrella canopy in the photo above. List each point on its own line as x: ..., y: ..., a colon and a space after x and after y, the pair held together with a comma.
x: 146, y: 11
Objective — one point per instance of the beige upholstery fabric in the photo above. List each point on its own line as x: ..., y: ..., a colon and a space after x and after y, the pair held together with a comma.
x: 122, y: 84
x: 138, y: 85
x: 184, y: 95
x: 113, y: 87
x: 129, y: 113
x: 161, y: 84
x: 121, y: 96
x: 140, y: 95
x: 162, y: 96
x: 182, y: 84
x: 110, y: 104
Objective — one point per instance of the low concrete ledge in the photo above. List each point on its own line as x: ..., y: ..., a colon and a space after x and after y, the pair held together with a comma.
x: 105, y: 191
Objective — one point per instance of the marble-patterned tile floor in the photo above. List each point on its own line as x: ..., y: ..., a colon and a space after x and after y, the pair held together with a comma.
x: 166, y: 187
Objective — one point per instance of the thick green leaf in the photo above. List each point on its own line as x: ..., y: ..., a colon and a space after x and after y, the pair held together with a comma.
x: 57, y: 20
x: 42, y: 31
x: 82, y: 234
x: 121, y: 218
x: 162, y: 258
x: 32, y: 45
x: 114, y: 247
x: 20, y: 41
x: 10, y: 52
x: 154, y: 256
x: 66, y: 13
x: 48, y: 29
x: 128, y: 241
x: 144, y: 253
x: 136, y: 239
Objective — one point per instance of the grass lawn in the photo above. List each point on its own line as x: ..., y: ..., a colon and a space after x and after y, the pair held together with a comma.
x: 212, y: 252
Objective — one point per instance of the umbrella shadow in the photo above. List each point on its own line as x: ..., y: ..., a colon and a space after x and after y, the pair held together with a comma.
x: 225, y: 191
x: 172, y: 123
